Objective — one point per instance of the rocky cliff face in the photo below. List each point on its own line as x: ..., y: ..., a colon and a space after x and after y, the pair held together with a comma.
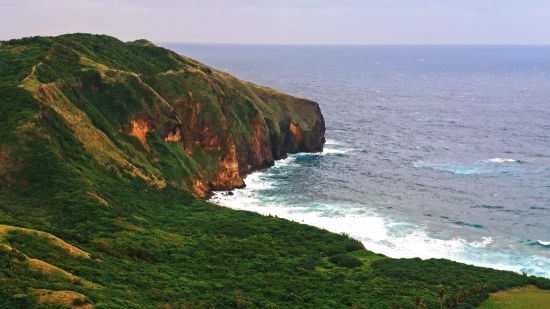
x: 294, y: 139
x: 227, y: 127
x: 165, y: 118
x: 239, y: 142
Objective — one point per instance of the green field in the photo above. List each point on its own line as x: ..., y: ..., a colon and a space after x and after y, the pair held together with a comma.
x: 534, y: 299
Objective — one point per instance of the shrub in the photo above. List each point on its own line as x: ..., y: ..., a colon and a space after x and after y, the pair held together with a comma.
x: 139, y: 253
x: 354, y: 246
x: 309, y: 262
x: 345, y: 260
x: 475, y: 302
x: 334, y: 250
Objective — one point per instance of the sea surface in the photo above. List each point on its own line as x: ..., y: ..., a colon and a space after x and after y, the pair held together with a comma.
x: 432, y: 151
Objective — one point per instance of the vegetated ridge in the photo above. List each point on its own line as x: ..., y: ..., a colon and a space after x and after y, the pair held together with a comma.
x: 115, y: 95
x: 106, y: 148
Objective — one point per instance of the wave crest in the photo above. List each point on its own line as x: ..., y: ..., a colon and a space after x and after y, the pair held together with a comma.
x: 502, y: 160
x: 449, y: 168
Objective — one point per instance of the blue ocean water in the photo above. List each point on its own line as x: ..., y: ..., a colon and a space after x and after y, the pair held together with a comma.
x: 432, y: 151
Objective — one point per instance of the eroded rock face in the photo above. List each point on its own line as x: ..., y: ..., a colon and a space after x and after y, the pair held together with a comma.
x: 295, y: 140
x: 227, y: 143
x: 256, y: 153
x: 227, y: 175
x: 139, y: 128
x: 233, y: 151
x: 314, y: 140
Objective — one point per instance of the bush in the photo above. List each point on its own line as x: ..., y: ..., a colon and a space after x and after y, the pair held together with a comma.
x: 334, y: 250
x: 345, y: 260
x: 309, y: 262
x: 475, y: 302
x: 354, y: 246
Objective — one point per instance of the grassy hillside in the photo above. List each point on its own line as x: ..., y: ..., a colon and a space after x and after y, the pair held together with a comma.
x: 102, y: 146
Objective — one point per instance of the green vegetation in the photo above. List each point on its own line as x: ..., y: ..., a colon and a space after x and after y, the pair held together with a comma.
x: 529, y: 297
x: 130, y: 235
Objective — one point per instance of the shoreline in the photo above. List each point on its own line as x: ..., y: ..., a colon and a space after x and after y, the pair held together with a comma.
x: 251, y: 171
x: 453, y: 249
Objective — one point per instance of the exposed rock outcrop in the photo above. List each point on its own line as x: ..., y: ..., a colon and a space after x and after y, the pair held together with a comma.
x: 294, y: 139
x: 237, y: 155
x: 232, y: 129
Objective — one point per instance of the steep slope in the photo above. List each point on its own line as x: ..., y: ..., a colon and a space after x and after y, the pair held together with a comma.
x: 107, y: 91
x: 101, y: 143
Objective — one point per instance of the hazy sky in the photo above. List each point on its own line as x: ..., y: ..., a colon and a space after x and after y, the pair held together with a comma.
x: 286, y: 21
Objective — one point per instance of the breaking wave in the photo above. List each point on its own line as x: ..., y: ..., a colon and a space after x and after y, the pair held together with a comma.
x: 501, y: 160
x: 450, y: 168
x: 545, y: 244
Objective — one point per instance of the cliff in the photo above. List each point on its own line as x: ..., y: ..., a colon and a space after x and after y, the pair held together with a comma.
x: 198, y: 128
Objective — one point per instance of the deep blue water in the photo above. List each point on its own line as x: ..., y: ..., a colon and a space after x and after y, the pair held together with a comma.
x: 439, y: 151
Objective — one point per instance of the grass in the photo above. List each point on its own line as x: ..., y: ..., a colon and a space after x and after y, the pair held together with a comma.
x: 518, y: 299
x: 6, y: 230
x: 63, y: 298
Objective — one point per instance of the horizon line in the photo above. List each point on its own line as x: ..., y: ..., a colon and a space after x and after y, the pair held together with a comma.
x: 455, y: 44
x: 361, y: 45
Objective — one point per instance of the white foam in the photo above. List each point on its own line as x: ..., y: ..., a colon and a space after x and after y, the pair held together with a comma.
x: 483, y: 243
x: 254, y: 182
x: 447, y: 167
x: 331, y: 142
x: 501, y: 160
x: 284, y: 162
x: 338, y: 151
x: 378, y: 234
x: 326, y: 151
x: 544, y: 243
x: 335, y: 151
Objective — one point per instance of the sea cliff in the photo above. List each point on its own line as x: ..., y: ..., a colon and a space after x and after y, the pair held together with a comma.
x: 220, y: 128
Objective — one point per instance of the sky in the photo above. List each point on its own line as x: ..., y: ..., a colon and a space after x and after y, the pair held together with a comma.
x: 338, y: 22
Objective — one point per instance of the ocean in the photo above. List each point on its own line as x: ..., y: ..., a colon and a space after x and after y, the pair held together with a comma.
x: 432, y: 151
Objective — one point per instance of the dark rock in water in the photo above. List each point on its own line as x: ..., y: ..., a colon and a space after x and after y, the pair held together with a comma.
x: 230, y: 193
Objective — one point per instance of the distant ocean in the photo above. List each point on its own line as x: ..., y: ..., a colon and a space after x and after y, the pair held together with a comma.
x: 432, y: 151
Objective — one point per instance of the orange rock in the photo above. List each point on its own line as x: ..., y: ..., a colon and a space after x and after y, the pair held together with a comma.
x: 139, y: 129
